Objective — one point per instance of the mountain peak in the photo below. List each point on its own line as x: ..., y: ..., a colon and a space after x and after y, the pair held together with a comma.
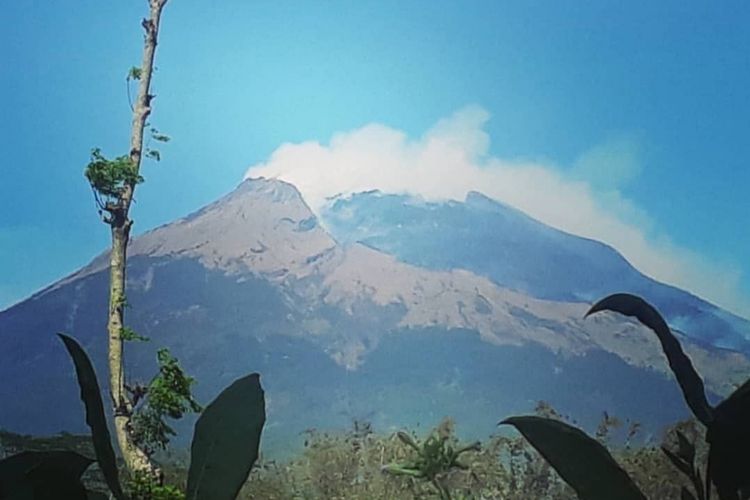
x: 481, y: 201
x: 262, y: 226
x: 276, y: 189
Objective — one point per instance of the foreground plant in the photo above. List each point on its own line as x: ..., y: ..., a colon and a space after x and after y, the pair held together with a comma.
x: 583, y: 462
x: 225, y: 446
x: 727, y: 428
x: 727, y: 424
x: 43, y: 475
x: 436, y: 457
x: 168, y: 395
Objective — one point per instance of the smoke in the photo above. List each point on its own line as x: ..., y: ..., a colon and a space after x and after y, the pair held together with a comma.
x: 452, y: 159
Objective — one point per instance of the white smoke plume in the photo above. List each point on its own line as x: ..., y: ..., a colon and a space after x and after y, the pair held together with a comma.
x: 452, y: 159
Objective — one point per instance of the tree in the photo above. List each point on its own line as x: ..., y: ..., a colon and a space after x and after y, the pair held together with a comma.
x: 137, y: 427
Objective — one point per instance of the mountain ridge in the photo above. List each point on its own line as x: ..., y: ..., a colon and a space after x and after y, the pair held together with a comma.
x: 254, y: 282
x: 265, y: 228
x: 516, y: 251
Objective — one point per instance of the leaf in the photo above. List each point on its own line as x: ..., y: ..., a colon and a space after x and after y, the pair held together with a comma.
x: 153, y: 154
x: 686, y: 495
x: 689, y: 380
x: 226, y: 441
x: 684, y: 467
x: 581, y: 461
x: 403, y: 470
x: 685, y: 448
x: 43, y: 475
x: 159, y: 137
x: 129, y: 335
x: 92, y: 399
x: 407, y: 439
x: 729, y: 437
x: 134, y: 73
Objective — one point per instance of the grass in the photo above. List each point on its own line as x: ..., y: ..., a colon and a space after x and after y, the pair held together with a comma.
x: 349, y: 465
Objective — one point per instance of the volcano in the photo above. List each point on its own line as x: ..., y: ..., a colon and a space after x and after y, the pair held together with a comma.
x: 386, y: 311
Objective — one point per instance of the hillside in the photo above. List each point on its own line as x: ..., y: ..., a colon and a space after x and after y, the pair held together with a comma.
x: 339, y: 331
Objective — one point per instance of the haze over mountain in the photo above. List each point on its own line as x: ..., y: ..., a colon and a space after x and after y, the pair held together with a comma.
x: 513, y: 250
x: 456, y: 322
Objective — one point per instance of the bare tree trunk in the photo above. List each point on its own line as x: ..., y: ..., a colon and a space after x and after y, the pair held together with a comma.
x: 135, y: 458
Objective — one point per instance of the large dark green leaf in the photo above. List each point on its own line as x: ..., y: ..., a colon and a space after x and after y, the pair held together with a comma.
x: 226, y: 441
x: 581, y: 461
x: 43, y: 475
x: 685, y: 494
x: 95, y: 418
x: 729, y: 438
x: 689, y: 380
x: 684, y: 467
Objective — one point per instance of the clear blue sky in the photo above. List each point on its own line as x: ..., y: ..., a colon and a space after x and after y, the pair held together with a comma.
x: 238, y: 78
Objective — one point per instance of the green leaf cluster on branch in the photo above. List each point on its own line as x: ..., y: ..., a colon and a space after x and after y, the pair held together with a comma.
x: 129, y: 335
x: 168, y: 395
x: 109, y: 178
x: 143, y: 486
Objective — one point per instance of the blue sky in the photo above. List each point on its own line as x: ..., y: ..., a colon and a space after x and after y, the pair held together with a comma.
x: 646, y: 103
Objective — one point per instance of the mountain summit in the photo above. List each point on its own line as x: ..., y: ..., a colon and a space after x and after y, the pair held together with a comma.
x: 345, y: 330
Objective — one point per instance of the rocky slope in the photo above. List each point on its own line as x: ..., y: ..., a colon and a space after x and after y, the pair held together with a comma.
x: 515, y: 251
x: 252, y: 282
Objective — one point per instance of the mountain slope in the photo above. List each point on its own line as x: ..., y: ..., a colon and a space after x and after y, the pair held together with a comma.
x: 253, y: 283
x: 518, y: 252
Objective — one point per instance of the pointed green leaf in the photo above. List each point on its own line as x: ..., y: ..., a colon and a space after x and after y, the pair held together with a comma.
x: 226, y: 441
x: 689, y: 380
x: 402, y: 469
x: 734, y: 411
x: 685, y: 448
x: 407, y: 439
x: 92, y: 399
x: 684, y: 467
x: 729, y: 438
x: 581, y: 461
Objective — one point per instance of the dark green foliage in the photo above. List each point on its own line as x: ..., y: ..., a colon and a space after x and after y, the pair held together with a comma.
x: 48, y: 475
x: 729, y: 440
x: 684, y: 458
x: 109, y: 178
x: 129, y: 335
x: 226, y: 441
x: 728, y: 425
x: 12, y: 443
x: 581, y: 461
x: 347, y: 465
x: 91, y: 397
x: 158, y: 136
x: 435, y: 457
x: 350, y: 465
x: 149, y: 430
x: 142, y: 486
x: 134, y: 73
x: 168, y: 395
x: 154, y: 154
x: 689, y: 380
x: 169, y: 392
